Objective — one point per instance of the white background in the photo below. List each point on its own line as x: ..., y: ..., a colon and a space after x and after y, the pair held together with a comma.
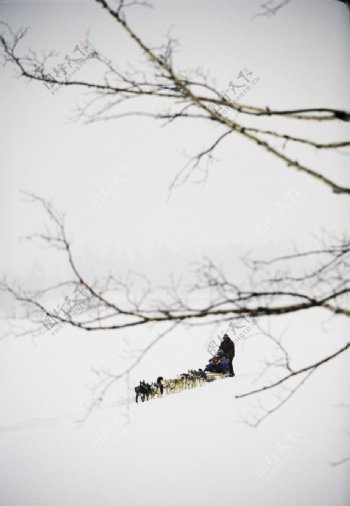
x: 188, y: 449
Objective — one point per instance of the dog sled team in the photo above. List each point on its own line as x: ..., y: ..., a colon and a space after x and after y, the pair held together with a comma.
x: 192, y: 379
x: 219, y: 365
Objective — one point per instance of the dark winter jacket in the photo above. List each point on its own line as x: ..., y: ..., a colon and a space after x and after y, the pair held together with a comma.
x: 228, y: 347
x: 220, y: 366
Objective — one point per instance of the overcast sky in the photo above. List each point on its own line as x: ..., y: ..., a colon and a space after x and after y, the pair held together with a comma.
x: 111, y: 179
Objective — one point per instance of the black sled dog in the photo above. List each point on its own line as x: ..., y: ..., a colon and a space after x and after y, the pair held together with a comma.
x: 143, y: 391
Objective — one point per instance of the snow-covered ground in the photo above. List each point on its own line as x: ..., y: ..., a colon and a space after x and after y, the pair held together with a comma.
x: 193, y: 448
x: 184, y: 449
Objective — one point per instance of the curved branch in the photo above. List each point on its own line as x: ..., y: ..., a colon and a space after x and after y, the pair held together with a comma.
x: 308, y: 368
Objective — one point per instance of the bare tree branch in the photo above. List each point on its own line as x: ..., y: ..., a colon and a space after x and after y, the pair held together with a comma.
x: 294, y: 373
x: 161, y: 81
x: 314, y: 279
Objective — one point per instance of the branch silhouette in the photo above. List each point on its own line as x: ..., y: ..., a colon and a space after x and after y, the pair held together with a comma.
x: 301, y: 281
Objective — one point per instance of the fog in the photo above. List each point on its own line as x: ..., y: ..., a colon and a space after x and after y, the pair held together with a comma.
x: 112, y: 179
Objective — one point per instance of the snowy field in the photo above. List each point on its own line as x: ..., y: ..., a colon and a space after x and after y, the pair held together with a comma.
x: 188, y: 448
x: 111, y: 179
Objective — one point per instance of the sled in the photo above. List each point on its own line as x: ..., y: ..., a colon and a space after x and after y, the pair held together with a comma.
x: 212, y: 376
